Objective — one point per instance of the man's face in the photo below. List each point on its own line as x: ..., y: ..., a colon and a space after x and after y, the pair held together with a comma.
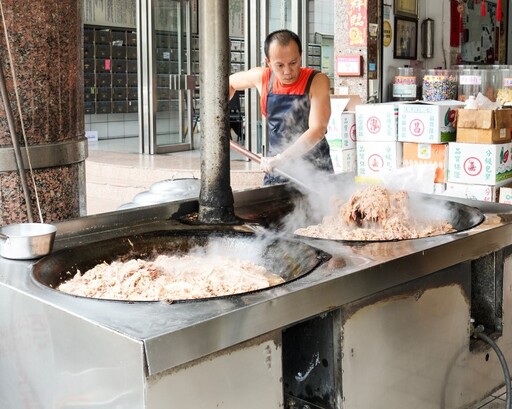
x: 284, y: 60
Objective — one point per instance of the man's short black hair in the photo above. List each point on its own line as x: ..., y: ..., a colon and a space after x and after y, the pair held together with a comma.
x: 283, y: 37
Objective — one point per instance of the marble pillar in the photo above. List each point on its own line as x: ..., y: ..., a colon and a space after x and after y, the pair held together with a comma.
x: 45, y: 40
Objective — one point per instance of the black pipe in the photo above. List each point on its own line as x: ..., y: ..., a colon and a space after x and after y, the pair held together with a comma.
x: 481, y: 335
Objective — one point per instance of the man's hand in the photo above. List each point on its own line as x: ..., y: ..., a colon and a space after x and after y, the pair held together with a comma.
x: 268, y: 163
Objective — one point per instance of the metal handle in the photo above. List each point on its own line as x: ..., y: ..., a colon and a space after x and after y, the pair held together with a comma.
x: 256, y: 158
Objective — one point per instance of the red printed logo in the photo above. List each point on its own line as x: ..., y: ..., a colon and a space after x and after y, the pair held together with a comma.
x: 373, y: 124
x: 472, y: 166
x: 352, y: 132
x: 375, y: 163
x: 416, y: 127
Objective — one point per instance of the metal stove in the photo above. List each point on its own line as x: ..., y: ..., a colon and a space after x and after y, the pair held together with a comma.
x: 375, y: 325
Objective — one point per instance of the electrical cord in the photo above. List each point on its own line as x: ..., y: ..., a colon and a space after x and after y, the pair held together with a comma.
x: 479, y: 333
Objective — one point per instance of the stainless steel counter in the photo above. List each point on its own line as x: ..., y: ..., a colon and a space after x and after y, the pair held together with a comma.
x: 145, y: 340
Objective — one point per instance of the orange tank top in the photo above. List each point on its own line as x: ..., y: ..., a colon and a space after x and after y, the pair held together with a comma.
x: 297, y: 88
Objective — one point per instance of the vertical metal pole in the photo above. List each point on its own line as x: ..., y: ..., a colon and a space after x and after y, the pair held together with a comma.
x: 216, y: 197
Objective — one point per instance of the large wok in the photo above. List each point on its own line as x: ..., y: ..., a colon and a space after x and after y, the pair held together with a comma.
x: 460, y: 216
x: 290, y: 259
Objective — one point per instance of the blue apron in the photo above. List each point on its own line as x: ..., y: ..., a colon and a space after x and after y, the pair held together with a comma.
x: 287, y: 119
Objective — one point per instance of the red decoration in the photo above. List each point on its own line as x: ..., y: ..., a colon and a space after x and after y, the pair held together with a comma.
x: 483, y: 8
x: 455, y: 25
x: 498, y: 11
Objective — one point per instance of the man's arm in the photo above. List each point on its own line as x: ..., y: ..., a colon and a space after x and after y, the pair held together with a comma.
x: 245, y: 79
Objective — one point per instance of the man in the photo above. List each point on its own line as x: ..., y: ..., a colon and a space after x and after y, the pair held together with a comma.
x: 295, y: 101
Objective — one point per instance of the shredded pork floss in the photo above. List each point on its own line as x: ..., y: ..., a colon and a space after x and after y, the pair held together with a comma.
x: 170, y: 277
x: 375, y: 214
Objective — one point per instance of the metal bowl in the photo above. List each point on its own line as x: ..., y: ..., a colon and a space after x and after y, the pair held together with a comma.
x: 25, y: 241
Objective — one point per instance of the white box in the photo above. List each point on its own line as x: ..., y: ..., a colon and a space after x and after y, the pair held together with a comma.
x: 505, y: 194
x: 376, y: 122
x: 427, y: 122
x: 376, y: 158
x: 343, y: 160
x: 478, y: 163
x: 341, y: 130
x: 484, y: 193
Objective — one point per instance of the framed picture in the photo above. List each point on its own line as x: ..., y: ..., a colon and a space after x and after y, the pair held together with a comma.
x: 406, y: 8
x: 405, y: 39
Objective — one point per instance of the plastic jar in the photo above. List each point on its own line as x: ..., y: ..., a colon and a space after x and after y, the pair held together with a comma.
x: 439, y: 85
x: 471, y: 82
x: 504, y: 89
x: 405, y: 84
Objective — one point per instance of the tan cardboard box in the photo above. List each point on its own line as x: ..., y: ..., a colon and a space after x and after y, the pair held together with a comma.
x: 484, y: 125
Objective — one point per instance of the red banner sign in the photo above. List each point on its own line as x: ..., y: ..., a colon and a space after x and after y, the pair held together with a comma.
x: 357, y: 22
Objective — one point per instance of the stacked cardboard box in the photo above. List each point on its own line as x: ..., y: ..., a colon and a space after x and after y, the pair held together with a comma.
x: 425, y: 128
x: 480, y: 162
x: 341, y: 133
x: 378, y: 150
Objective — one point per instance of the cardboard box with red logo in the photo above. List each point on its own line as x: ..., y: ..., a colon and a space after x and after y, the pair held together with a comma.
x: 341, y: 129
x: 427, y: 122
x: 377, y: 122
x: 484, y: 125
x: 482, y: 164
x: 427, y: 153
x: 376, y: 158
x: 486, y: 193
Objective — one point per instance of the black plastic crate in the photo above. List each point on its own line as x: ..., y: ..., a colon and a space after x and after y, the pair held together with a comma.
x: 118, y: 52
x: 104, y: 80
x: 104, y: 93
x: 89, y: 107
x: 89, y: 94
x: 118, y: 37
x: 88, y: 51
x: 89, y: 80
x: 131, y: 52
x: 119, y: 79
x: 88, y: 65
x: 104, y: 107
x: 132, y: 106
x: 132, y: 93
x: 103, y: 65
x: 118, y: 65
x: 88, y: 35
x: 131, y: 38
x: 131, y: 80
x: 119, y: 93
x: 102, y: 36
x: 119, y: 107
x: 103, y: 51
x: 131, y: 65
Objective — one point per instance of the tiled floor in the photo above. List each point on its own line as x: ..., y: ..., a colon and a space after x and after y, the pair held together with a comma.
x: 495, y: 401
x: 116, y: 172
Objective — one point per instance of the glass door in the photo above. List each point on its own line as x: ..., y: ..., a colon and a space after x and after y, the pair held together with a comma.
x: 166, y: 118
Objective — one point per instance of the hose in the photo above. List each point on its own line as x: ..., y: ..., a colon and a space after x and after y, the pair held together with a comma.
x: 478, y: 333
